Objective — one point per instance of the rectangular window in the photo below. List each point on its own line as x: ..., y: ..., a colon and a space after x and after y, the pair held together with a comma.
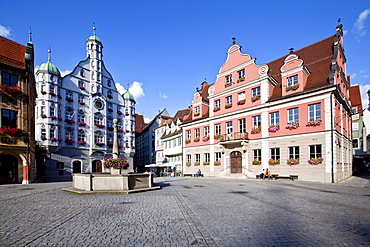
x: 229, y: 127
x: 355, y: 144
x: 81, y: 137
x: 169, y: 144
x: 206, y: 157
x: 52, y: 111
x: 206, y: 131
x: 217, y: 156
x: 293, y: 115
x: 242, y: 125
x: 197, y: 133
x: 9, y: 118
x: 315, y: 151
x: 256, y: 91
x: 69, y: 135
x: 218, y: 103
x: 257, y: 154
x: 293, y: 80
x: 229, y: 100
x: 314, y: 112
x: 197, y: 157
x: 256, y: 122
x: 188, y: 158
x: 174, y: 142
x: 9, y: 79
x: 241, y: 74
x: 179, y: 141
x: 275, y: 153
x: 197, y: 109
x: 274, y: 118
x: 241, y: 96
x: 69, y: 95
x: 228, y: 80
x: 217, y: 129
x: 294, y: 152
x: 188, y: 134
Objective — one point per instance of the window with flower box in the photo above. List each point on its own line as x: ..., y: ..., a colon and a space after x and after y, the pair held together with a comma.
x: 241, y: 75
x: 188, y: 158
x: 315, y: 151
x: 197, y: 158
x: 242, y: 125
x: 81, y: 85
x: 206, y: 131
x: 241, y: 98
x: 69, y: 136
x: 43, y: 132
x: 197, y: 133
x: 275, y: 153
x: 293, y: 152
x: 291, y: 81
x: 228, y: 80
x: 9, y: 79
x: 207, y: 159
x: 217, y: 129
x: 197, y: 111
x: 69, y: 115
x: 188, y: 135
x: 98, y: 119
x: 98, y: 137
x: 52, y: 111
x: 229, y: 101
x: 274, y: 122
x: 314, y: 112
x: 217, y: 105
x: 69, y: 96
x: 110, y: 95
x: 293, y: 115
x: 256, y: 124
x: 217, y: 158
x: 257, y: 154
x: 256, y: 91
x: 81, y: 137
x: 229, y: 127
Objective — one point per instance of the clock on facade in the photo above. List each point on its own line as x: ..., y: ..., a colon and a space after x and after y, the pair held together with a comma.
x: 99, y: 104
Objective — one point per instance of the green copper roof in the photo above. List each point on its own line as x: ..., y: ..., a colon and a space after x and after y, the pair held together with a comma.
x: 49, y: 67
x: 94, y: 37
x: 127, y: 95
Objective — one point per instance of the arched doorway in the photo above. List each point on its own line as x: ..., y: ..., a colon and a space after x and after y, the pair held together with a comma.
x: 236, y: 162
x: 96, y: 166
x: 8, y: 169
x: 76, y: 166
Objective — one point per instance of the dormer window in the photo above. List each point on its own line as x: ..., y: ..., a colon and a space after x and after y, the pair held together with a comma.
x: 228, y: 80
x: 197, y: 111
x: 81, y: 85
x: 241, y: 75
x: 293, y: 80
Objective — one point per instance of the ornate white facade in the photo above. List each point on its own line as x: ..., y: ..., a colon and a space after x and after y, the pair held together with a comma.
x: 74, y: 117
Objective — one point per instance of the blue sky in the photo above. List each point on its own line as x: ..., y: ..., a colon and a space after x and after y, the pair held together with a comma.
x: 165, y: 48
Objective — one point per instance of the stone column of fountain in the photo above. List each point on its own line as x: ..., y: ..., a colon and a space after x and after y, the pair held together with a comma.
x: 115, y: 146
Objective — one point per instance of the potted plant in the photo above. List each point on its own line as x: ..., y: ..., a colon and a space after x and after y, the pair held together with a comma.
x: 227, y: 106
x: 82, y: 87
x: 294, y: 87
x: 115, y: 163
x: 196, y: 140
x: 81, y: 102
x: 255, y: 98
x: 53, y: 117
x: 256, y: 162
x: 205, y: 163
x: 43, y: 116
x: 99, y: 143
x: 82, y: 123
x: 69, y: 141
x: 292, y: 162
x: 241, y: 102
x: 315, y: 161
x: 53, y: 139
x: 217, y: 163
x: 196, y: 114
x: 69, y: 99
x: 205, y: 138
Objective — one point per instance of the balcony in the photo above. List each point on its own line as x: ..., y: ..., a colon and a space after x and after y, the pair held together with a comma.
x: 236, y: 137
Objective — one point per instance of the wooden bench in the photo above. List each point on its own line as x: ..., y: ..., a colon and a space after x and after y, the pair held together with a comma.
x: 273, y: 176
x: 291, y: 177
x: 192, y: 175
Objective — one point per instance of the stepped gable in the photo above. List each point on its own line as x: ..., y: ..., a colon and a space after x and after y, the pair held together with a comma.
x: 12, y: 53
x: 317, y: 57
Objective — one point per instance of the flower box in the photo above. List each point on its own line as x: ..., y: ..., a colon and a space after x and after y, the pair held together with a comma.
x: 82, y: 123
x: 216, y: 109
x: 13, y: 91
x: 241, y: 102
x: 292, y: 125
x: 206, y: 163
x: 43, y: 116
x: 81, y: 102
x: 43, y: 137
x: 256, y: 130
x: 120, y: 130
x: 10, y: 131
x: 255, y: 98
x: 110, y: 145
x: 81, y: 142
x: 228, y: 106
x: 217, y: 136
x: 69, y: 141
x: 313, y: 122
x: 241, y: 79
x: 187, y: 141
x: 196, y: 140
x: 292, y: 162
x: 110, y: 128
x: 256, y: 162
x: 60, y: 119
x: 69, y: 121
x: 196, y: 114
x: 53, y: 117
x: 228, y: 84
x: 119, y: 112
x: 273, y: 162
x: 69, y: 99
x: 59, y: 96
x: 127, y: 131
x: 196, y: 163
x: 217, y: 163
x: 82, y: 87
x: 53, y: 139
x: 188, y: 164
x: 110, y: 110
x: 60, y: 139
x: 43, y: 92
x: 293, y: 88
x: 315, y: 161
x: 205, y: 138
x: 99, y: 125
x: 52, y: 93
x: 126, y: 114
x: 99, y: 143
x: 116, y: 163
x: 110, y: 96
x: 274, y: 128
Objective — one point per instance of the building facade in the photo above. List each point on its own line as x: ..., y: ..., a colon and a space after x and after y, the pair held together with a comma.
x: 291, y: 115
x: 75, y: 115
x: 17, y: 101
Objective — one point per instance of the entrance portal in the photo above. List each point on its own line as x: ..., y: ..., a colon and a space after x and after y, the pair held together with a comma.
x: 8, y: 169
x: 76, y: 166
x: 236, y: 162
x: 96, y: 166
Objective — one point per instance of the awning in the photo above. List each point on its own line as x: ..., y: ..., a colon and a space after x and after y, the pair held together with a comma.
x: 159, y: 165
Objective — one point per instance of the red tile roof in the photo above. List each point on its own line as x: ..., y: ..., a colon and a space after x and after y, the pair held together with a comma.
x: 355, y: 97
x: 12, y: 53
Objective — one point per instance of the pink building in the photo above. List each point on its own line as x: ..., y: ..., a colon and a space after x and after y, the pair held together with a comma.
x: 291, y: 115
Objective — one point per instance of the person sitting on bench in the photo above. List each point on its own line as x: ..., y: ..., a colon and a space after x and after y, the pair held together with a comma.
x: 198, y: 173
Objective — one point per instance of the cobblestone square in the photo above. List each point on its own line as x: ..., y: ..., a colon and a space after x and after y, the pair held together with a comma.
x: 189, y: 212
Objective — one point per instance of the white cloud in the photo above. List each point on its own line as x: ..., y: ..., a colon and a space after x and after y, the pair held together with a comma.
x: 5, y: 31
x: 65, y: 72
x: 120, y: 88
x: 162, y: 95
x: 147, y: 120
x: 345, y: 32
x: 359, y: 24
x: 135, y: 89
x: 364, y: 96
x: 353, y: 76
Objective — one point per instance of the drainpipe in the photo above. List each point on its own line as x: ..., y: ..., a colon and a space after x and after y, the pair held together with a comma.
x: 332, y: 136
